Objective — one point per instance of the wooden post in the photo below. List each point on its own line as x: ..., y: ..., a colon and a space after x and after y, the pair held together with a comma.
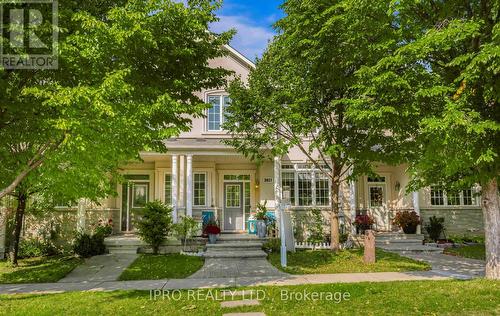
x: 369, y: 256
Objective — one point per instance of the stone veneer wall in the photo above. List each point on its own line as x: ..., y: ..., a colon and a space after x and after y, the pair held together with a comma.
x: 63, y: 222
x: 457, y: 221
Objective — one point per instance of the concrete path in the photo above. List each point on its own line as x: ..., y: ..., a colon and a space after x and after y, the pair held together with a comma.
x: 180, y: 284
x: 452, y: 266
x: 100, y: 268
x: 236, y: 267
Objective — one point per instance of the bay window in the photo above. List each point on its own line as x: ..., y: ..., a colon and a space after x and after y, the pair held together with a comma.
x: 308, y: 186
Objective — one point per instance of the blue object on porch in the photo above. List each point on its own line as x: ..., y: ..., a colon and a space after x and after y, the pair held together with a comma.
x: 206, y: 216
x: 271, y: 218
x: 252, y: 226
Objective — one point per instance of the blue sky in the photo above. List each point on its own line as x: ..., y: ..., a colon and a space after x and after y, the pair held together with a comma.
x: 252, y: 20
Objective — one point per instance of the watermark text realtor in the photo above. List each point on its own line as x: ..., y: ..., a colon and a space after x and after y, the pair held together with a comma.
x: 29, y: 30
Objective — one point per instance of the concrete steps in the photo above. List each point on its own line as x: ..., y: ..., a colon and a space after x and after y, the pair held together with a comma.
x: 241, y: 246
x: 123, y: 244
x: 403, y: 243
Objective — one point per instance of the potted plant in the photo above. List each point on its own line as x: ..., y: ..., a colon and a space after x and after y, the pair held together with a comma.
x: 363, y: 223
x: 407, y: 220
x: 212, y: 230
x: 261, y: 217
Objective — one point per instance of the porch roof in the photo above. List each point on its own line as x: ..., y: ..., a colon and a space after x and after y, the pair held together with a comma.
x: 196, y: 143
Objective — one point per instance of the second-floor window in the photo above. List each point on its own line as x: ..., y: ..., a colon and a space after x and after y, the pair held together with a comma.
x: 216, y: 112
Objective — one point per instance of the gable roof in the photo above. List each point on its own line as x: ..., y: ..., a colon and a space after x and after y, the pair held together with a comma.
x: 247, y: 62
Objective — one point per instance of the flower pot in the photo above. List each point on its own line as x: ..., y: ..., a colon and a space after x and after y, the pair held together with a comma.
x: 212, y: 238
x: 261, y: 228
x: 410, y: 229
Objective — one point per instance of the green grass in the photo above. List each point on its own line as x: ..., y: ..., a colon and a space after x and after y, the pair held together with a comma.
x: 345, y: 261
x: 477, y: 297
x: 157, y: 267
x: 37, y: 270
x: 473, y: 252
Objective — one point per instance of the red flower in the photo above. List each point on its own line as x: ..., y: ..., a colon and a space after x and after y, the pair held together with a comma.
x: 212, y: 230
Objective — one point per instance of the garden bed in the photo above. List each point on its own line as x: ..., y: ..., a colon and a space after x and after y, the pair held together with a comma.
x: 472, y: 251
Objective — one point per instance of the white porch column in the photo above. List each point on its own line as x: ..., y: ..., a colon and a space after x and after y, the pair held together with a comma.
x: 174, y: 187
x: 277, y: 185
x: 181, y: 204
x: 80, y: 217
x: 352, y: 204
x: 416, y: 207
x: 189, y: 184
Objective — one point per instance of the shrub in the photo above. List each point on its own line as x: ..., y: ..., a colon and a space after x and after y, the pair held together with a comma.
x: 29, y: 248
x: 407, y: 220
x: 315, y: 229
x: 104, y: 229
x: 82, y: 246
x: 363, y: 222
x: 185, y: 229
x: 435, y: 227
x: 272, y: 245
x: 155, y: 224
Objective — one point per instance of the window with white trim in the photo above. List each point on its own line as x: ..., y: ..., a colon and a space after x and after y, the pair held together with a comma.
x: 440, y: 197
x: 199, y: 189
x: 308, y: 186
x: 217, y: 111
x: 168, y: 189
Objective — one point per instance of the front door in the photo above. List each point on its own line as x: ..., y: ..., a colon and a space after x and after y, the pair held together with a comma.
x: 134, y: 198
x: 377, y: 201
x: 233, y: 206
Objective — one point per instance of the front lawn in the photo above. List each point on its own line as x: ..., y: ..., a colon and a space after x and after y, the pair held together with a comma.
x: 345, y: 261
x: 37, y: 270
x: 157, y: 267
x: 477, y: 297
x: 473, y: 252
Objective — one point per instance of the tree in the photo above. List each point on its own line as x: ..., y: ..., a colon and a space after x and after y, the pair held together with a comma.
x: 127, y: 76
x: 300, y: 94
x: 440, y: 91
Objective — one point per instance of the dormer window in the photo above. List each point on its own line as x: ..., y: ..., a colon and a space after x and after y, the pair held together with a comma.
x: 216, y: 112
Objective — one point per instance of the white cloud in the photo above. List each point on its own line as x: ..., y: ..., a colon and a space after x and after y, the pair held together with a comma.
x: 250, y: 40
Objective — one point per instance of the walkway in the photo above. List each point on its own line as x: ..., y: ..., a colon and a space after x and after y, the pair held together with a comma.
x: 179, y: 284
x: 234, y: 268
x: 100, y: 268
x: 451, y: 266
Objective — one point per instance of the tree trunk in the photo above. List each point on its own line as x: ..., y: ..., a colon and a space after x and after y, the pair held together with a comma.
x: 16, y: 233
x: 334, y: 213
x: 491, y: 214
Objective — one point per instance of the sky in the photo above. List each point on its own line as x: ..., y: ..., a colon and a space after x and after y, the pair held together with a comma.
x: 253, y: 22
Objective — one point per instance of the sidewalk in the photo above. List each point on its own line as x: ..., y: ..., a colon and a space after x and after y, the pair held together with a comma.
x: 181, y: 284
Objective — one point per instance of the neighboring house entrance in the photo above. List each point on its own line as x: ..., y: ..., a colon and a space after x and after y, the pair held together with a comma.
x: 377, y: 202
x: 135, y: 195
x: 233, y: 206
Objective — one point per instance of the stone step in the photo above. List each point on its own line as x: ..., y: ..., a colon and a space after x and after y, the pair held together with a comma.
x: 411, y: 249
x: 398, y: 236
x: 235, y: 254
x: 233, y: 304
x: 229, y: 245
x: 122, y: 250
x: 397, y: 241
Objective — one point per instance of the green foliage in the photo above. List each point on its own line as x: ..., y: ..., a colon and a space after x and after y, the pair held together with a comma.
x: 185, y: 229
x: 155, y: 224
x: 272, y: 245
x: 438, y: 91
x: 315, y: 229
x: 435, y: 227
x: 127, y: 76
x: 88, y: 245
x: 468, y: 251
x: 466, y: 238
x: 261, y: 211
x: 29, y: 248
